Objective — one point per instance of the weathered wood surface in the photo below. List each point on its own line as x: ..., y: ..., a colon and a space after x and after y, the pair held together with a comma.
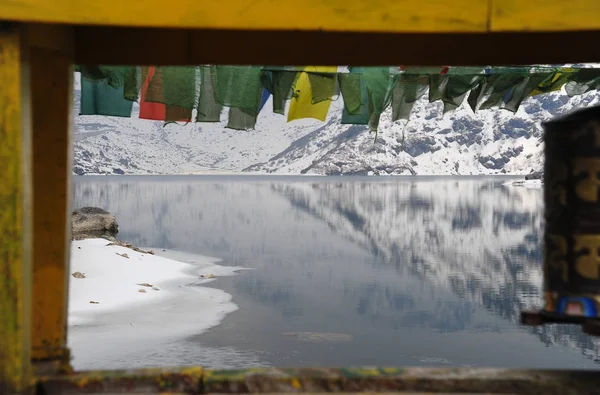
x: 119, y: 46
x: 142, y: 381
x: 335, y: 15
x: 332, y: 15
x: 323, y: 380
x: 15, y: 209
x: 51, y: 54
x: 544, y: 15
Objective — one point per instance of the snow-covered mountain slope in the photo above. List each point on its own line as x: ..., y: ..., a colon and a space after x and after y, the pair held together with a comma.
x: 459, y: 142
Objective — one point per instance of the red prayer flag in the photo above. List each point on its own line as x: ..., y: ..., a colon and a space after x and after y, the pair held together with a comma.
x: 160, y: 111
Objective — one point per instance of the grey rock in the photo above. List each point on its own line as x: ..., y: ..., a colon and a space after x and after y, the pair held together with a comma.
x: 517, y: 127
x: 418, y: 146
x: 534, y: 176
x: 93, y: 222
x: 497, y: 163
x: 78, y: 170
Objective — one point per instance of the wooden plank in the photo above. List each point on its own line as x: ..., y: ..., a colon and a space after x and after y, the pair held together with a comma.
x: 338, y: 15
x: 15, y: 220
x: 323, y: 380
x: 51, y: 74
x: 117, y: 46
x: 411, y: 379
x: 334, y: 15
x: 122, y: 46
x: 544, y: 15
x: 142, y: 381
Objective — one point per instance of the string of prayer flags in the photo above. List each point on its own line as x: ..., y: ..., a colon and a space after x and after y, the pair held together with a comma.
x: 171, y: 94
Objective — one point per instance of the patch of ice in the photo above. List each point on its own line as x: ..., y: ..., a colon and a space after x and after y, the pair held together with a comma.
x: 123, y: 321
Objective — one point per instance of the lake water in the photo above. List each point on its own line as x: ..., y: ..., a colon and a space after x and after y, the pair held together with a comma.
x: 354, y: 271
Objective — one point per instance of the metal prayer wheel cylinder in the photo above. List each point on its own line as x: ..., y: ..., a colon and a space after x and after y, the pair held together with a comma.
x: 572, y: 215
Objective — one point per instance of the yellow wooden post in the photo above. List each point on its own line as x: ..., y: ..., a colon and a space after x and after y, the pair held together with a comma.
x: 15, y: 218
x: 51, y: 72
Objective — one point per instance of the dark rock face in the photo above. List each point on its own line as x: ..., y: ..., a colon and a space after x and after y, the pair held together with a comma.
x: 498, y: 162
x: 518, y: 127
x: 118, y: 171
x: 534, y: 176
x: 92, y: 222
x: 554, y: 104
x: 78, y: 170
x: 469, y: 131
x: 418, y: 146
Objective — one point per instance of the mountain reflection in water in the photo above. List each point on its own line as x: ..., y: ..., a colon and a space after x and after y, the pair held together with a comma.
x: 361, y: 271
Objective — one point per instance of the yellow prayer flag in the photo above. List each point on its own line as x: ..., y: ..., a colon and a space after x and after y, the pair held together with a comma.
x: 555, y: 88
x: 301, y: 105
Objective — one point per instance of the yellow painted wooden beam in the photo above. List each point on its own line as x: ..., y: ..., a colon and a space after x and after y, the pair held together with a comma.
x: 51, y: 71
x: 333, y: 15
x: 401, y: 16
x: 545, y: 15
x: 15, y: 219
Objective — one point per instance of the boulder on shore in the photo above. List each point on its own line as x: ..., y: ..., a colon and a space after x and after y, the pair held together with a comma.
x: 92, y: 222
x: 538, y: 175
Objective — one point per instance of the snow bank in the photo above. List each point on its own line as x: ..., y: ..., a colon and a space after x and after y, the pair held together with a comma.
x: 124, y: 305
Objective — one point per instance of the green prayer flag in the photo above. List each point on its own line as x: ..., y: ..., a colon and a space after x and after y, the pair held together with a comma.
x: 209, y: 109
x: 353, y: 92
x: 240, y: 120
x: 322, y: 86
x: 456, y: 89
x: 380, y: 85
x: 239, y: 87
x: 475, y: 94
x: 497, y: 87
x: 354, y: 95
x: 408, y: 90
x: 437, y: 83
x: 132, y: 82
x: 283, y: 83
x: 99, y: 98
x: 522, y: 90
x: 173, y: 86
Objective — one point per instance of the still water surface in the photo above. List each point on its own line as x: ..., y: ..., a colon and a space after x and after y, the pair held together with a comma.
x: 357, y: 271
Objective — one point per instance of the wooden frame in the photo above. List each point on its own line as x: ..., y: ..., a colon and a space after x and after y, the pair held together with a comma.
x: 399, y: 16
x: 147, y: 46
x: 15, y: 217
x: 41, y: 40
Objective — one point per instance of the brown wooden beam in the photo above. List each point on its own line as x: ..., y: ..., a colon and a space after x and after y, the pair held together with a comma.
x: 129, y: 46
x: 324, y: 380
x: 51, y: 70
x: 141, y: 381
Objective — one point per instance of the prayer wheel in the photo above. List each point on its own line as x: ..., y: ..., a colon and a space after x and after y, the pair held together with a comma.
x: 571, y: 262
